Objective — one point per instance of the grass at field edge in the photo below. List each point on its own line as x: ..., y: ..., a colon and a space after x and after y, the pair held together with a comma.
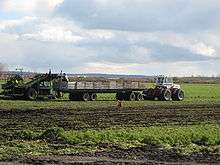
x: 56, y: 141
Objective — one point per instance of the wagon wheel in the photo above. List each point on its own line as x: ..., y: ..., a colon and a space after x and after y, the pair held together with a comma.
x: 178, y: 95
x: 85, y: 97
x: 93, y: 97
x: 31, y: 94
x: 131, y: 96
x: 165, y: 95
x: 139, y: 97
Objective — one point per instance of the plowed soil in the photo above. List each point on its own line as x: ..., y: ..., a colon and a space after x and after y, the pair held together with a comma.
x: 107, y: 117
x: 41, y: 119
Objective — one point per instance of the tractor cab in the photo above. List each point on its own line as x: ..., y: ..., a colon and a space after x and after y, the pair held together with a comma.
x: 163, y: 81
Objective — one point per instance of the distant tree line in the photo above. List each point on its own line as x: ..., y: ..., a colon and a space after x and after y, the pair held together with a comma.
x: 198, y: 80
x: 102, y: 77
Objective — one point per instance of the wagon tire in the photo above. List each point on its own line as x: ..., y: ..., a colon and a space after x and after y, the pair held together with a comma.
x: 93, y: 97
x: 85, y: 97
x: 139, y: 96
x: 131, y: 96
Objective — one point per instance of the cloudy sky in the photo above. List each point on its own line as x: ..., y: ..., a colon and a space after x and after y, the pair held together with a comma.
x: 151, y: 37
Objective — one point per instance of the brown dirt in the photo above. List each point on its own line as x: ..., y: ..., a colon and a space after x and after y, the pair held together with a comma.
x: 107, y: 117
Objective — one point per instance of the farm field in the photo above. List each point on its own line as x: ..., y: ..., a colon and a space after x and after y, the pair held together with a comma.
x: 62, y: 131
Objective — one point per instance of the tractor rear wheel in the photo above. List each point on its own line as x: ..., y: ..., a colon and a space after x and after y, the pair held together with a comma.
x: 31, y: 94
x: 93, y: 97
x: 178, y: 95
x: 165, y: 95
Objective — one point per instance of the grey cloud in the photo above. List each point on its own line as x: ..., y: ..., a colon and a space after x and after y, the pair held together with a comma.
x: 56, y: 56
x: 143, y: 15
x: 139, y: 32
x: 143, y: 49
x: 38, y: 56
x: 153, y: 52
x: 168, y: 53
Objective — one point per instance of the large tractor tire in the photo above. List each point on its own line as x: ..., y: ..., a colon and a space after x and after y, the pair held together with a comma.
x: 93, y: 97
x: 165, y: 95
x: 178, y: 95
x: 149, y: 94
x: 139, y: 96
x: 31, y: 94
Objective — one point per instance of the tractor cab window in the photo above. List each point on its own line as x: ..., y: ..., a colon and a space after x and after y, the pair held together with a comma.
x: 169, y: 80
x: 164, y: 80
x: 160, y: 80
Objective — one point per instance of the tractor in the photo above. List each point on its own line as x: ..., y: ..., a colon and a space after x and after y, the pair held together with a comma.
x: 164, y: 90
